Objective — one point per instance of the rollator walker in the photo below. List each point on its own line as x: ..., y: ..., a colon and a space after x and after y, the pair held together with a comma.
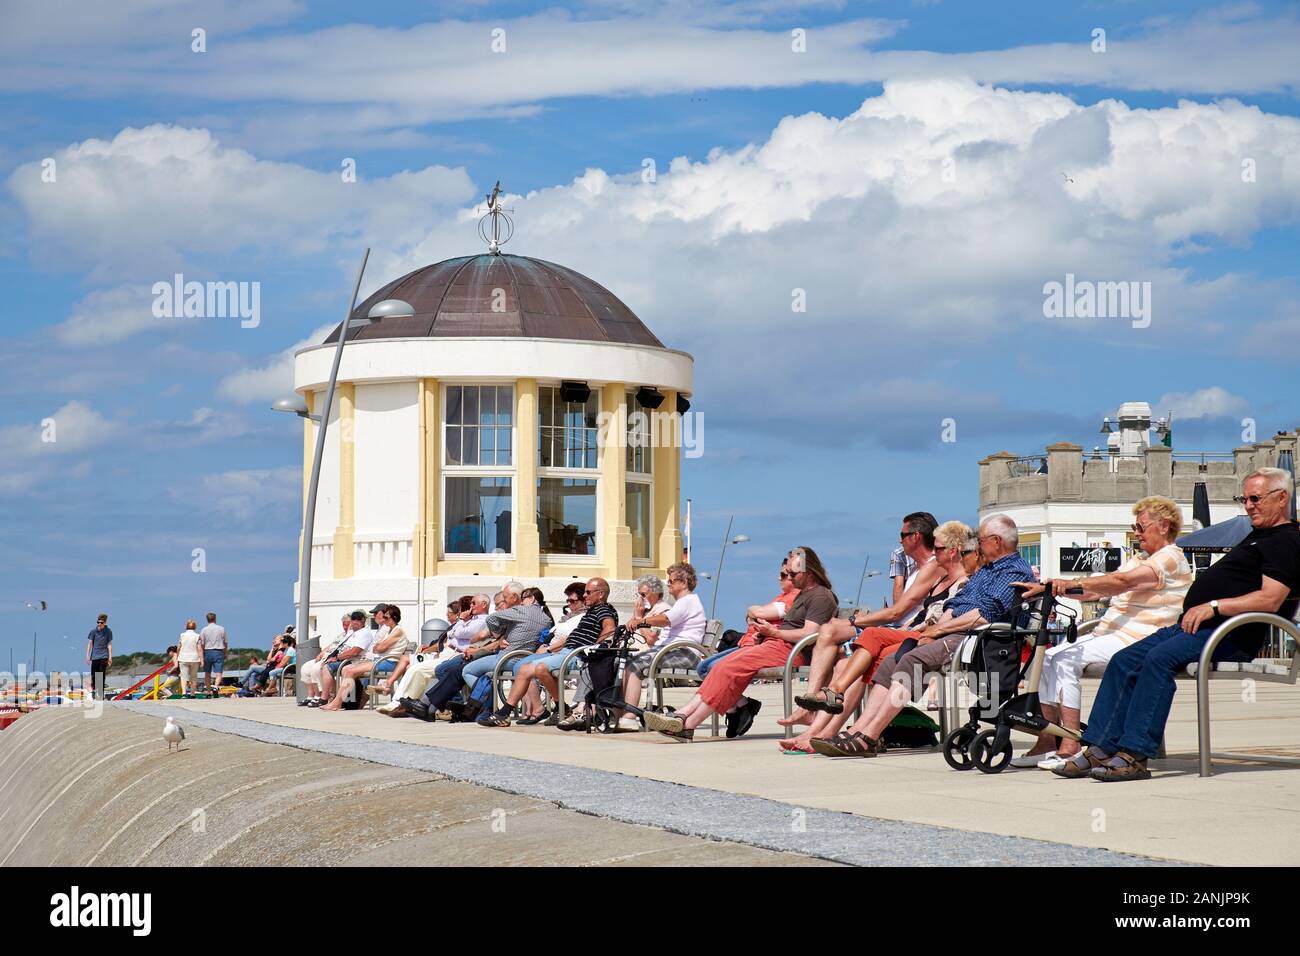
x: 991, y: 656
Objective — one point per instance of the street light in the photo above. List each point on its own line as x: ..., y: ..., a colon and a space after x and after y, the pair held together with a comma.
x: 857, y: 601
x: 389, y: 308
x: 717, y: 578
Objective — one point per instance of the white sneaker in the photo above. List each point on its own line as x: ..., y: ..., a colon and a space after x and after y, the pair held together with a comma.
x: 1031, y: 760
x: 628, y: 722
x: 1052, y: 761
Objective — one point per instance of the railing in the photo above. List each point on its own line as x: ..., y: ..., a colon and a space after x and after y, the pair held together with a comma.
x: 151, y: 677
x: 1203, y: 456
x: 1029, y: 465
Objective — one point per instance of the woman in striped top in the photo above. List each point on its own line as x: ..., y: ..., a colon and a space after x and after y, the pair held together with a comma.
x: 1146, y: 595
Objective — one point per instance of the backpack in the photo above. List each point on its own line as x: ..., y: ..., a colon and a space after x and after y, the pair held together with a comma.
x: 993, y: 661
x: 477, y: 701
x: 910, y: 728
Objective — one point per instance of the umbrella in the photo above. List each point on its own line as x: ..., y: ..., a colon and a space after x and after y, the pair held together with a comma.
x: 1286, y: 461
x: 1201, y: 504
x: 1217, y: 538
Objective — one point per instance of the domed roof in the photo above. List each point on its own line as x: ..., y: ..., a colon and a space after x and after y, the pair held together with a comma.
x: 536, y: 299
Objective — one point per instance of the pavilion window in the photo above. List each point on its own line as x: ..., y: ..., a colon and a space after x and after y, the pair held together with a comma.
x: 568, y: 482
x: 478, y: 469
x: 639, y: 490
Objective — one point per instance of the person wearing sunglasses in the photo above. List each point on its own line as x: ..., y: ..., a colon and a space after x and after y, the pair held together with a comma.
x: 1127, y: 722
x: 597, y: 626
x: 1146, y: 594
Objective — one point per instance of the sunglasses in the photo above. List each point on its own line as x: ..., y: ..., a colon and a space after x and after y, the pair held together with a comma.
x: 1255, y: 499
x: 904, y: 535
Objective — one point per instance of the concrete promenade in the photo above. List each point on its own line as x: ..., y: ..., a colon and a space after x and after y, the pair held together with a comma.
x: 1246, y: 814
x: 635, y: 797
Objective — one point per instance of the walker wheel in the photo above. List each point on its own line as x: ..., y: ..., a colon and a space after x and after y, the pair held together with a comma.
x: 985, y: 758
x: 956, y: 748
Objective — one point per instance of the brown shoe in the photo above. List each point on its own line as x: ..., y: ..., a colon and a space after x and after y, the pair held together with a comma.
x: 670, y: 725
x: 399, y: 710
x: 825, y: 700
x: 1122, y: 766
x: 1081, y: 764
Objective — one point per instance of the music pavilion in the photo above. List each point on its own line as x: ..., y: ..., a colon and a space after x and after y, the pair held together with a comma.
x: 492, y: 436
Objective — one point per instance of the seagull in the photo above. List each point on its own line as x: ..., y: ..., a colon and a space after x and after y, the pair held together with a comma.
x: 1068, y: 179
x: 41, y: 607
x: 173, y: 733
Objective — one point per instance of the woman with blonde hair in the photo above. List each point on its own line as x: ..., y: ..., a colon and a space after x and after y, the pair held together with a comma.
x: 1146, y: 594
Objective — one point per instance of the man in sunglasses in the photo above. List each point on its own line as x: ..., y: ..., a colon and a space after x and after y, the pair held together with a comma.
x: 1262, y: 573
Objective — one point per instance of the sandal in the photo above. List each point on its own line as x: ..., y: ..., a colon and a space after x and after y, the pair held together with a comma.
x: 830, y: 746
x: 531, y: 719
x: 1122, y: 766
x: 825, y: 700
x: 860, y: 745
x: 1081, y: 764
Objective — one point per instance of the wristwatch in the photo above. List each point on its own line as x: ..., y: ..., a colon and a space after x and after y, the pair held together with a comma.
x: 1214, y: 606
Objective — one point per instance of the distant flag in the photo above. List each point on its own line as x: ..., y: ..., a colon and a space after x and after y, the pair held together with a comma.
x: 686, y: 531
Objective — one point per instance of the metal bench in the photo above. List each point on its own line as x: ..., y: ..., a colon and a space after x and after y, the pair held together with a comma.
x: 657, y: 678
x: 787, y: 674
x: 1206, y: 670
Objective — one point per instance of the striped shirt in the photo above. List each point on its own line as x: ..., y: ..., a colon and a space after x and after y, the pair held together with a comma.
x: 1136, y: 614
x: 588, y: 630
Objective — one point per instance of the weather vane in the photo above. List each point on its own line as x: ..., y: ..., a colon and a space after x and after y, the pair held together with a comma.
x: 501, y: 227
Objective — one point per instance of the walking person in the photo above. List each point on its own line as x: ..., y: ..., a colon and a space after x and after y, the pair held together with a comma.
x: 190, y: 655
x: 99, y: 654
x: 214, y: 653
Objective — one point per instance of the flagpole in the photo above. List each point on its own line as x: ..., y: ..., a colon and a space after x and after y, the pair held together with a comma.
x: 688, y: 530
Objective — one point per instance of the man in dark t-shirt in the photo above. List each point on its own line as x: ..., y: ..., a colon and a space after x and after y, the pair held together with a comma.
x: 99, y: 654
x: 1260, y: 574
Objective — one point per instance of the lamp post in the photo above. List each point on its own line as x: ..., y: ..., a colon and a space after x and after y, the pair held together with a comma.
x: 857, y: 601
x: 717, y: 578
x: 298, y: 405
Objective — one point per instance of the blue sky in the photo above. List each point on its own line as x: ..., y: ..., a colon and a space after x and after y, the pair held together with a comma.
x: 822, y: 170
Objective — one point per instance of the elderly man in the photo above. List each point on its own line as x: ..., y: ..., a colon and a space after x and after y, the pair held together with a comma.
x: 447, y: 674
x: 988, y: 597
x: 358, y: 642
x: 517, y: 628
x: 416, y: 671
x: 596, y: 626
x: 1260, y: 574
x: 312, y: 668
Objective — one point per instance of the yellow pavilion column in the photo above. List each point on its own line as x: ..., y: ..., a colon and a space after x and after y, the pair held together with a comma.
x: 308, y: 450
x: 617, y: 547
x: 667, y: 438
x: 527, y: 543
x: 430, y: 478
x: 344, y: 559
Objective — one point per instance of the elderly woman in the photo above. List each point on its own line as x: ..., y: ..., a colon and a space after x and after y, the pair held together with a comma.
x: 660, y: 626
x: 956, y: 551
x: 1146, y: 594
x: 649, y: 602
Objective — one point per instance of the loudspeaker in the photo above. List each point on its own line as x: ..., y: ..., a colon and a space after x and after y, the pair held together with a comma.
x: 576, y: 392
x: 649, y: 397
